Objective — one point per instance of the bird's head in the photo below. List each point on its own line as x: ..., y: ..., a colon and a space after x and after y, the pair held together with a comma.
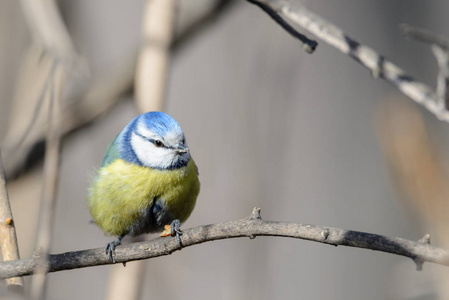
x: 155, y: 140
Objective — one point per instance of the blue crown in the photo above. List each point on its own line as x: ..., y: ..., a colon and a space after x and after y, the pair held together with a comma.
x: 160, y: 123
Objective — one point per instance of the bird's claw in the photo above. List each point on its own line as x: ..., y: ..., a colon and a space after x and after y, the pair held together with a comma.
x: 175, y: 230
x: 110, y: 248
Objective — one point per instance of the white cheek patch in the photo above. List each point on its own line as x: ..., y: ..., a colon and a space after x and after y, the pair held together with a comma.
x: 150, y: 155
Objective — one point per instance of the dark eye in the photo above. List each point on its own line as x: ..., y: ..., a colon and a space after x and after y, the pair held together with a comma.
x: 158, y: 143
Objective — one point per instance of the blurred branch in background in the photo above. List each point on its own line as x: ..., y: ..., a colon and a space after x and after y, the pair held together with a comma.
x: 48, y: 29
x: 97, y: 97
x: 54, y: 46
x: 251, y: 227
x: 153, y: 60
x: 298, y: 16
x: 417, y: 172
x: 8, y: 238
x: 50, y: 39
x: 50, y: 180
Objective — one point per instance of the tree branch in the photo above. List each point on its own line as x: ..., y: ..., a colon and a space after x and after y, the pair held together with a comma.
x: 251, y: 227
x: 8, y: 238
x: 299, y: 17
x: 424, y: 36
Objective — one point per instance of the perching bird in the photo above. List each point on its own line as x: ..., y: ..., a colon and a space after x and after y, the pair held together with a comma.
x: 147, y: 180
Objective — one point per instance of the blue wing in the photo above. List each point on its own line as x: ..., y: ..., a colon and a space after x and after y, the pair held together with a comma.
x: 112, y: 153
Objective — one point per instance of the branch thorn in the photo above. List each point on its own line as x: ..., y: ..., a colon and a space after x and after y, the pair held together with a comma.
x: 425, y: 239
x: 255, y: 215
x: 419, y: 262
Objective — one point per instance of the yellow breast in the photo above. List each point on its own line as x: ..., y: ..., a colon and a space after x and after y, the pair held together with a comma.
x: 122, y: 192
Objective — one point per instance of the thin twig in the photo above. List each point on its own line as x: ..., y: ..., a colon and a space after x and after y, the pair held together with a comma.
x: 424, y: 36
x: 440, y: 48
x: 8, y: 238
x: 298, y: 16
x: 442, y: 57
x: 249, y: 227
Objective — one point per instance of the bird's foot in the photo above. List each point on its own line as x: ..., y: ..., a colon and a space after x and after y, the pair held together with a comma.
x: 174, y: 229
x: 110, y: 248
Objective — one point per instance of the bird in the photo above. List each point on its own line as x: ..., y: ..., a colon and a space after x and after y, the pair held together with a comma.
x: 147, y: 181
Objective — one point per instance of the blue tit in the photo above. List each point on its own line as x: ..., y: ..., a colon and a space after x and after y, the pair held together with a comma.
x: 147, y: 180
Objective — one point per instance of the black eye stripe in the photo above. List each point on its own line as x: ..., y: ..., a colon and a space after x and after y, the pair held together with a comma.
x: 153, y: 141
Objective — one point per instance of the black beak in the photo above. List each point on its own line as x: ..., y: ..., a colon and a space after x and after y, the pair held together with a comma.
x: 182, y: 149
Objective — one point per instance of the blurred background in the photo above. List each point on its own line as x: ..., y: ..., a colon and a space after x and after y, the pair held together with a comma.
x: 307, y: 138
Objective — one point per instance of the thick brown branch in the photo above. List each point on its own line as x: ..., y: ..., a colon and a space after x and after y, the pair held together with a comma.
x: 248, y: 227
x: 299, y: 17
